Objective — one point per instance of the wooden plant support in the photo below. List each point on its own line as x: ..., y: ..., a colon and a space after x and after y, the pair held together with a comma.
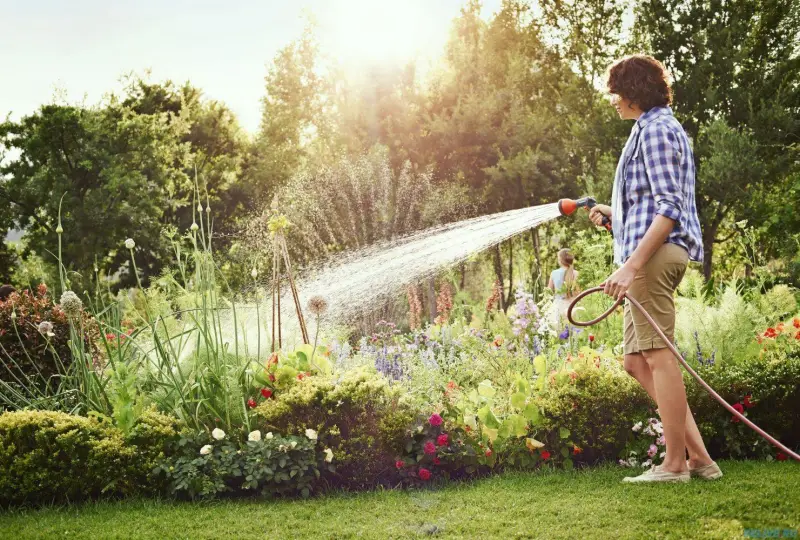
x: 281, y: 251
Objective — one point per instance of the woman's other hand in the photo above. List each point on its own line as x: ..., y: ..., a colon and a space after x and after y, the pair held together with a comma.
x: 598, y: 212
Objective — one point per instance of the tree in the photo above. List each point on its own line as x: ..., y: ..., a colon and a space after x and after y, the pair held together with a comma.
x: 113, y: 168
x: 736, y: 61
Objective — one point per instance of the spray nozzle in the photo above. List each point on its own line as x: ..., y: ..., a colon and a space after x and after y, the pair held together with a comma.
x: 568, y: 206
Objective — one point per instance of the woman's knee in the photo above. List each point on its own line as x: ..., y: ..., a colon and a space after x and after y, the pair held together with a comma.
x: 635, y: 365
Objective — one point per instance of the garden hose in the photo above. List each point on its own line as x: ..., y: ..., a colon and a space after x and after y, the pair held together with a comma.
x: 672, y: 348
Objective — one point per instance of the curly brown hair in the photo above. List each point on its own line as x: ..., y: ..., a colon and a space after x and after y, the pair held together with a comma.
x: 642, y: 80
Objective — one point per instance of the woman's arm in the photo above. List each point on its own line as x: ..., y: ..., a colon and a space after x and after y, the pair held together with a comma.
x: 550, y: 284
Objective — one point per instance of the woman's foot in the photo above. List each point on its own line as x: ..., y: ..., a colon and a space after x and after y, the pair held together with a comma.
x: 656, y: 474
x: 710, y: 471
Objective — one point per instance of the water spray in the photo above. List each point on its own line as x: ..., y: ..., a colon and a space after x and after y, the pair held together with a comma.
x: 567, y: 207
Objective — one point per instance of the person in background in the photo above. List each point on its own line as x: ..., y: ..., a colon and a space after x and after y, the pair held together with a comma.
x: 564, y: 282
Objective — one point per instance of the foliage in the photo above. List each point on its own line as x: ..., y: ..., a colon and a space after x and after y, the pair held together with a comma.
x: 358, y: 416
x: 203, y: 465
x: 55, y: 457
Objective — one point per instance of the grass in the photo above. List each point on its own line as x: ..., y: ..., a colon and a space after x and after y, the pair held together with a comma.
x: 578, y: 504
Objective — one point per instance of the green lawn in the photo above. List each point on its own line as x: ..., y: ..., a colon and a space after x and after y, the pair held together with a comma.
x: 591, y: 504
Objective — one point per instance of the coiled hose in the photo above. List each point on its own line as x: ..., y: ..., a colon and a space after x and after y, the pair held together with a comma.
x: 672, y: 348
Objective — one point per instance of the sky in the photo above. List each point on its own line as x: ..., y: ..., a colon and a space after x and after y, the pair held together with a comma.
x: 80, y: 49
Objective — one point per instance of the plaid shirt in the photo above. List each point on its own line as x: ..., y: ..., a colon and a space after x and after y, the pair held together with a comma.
x: 655, y: 175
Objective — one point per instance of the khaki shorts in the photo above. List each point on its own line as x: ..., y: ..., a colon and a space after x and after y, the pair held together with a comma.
x: 653, y: 287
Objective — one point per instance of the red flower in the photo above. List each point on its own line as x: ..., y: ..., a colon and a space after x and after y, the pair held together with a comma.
x: 425, y: 474
x: 300, y: 376
x: 435, y: 420
x: 467, y: 429
x: 437, y: 461
x: 780, y: 327
x: 747, y: 403
x: 545, y: 454
x: 429, y: 448
x: 796, y: 322
x: 452, y: 385
x: 441, y: 440
x: 271, y: 377
x: 591, y: 338
x: 399, y: 464
x: 251, y: 403
x: 739, y: 408
x: 780, y: 456
x: 273, y: 358
x: 797, y: 335
x: 498, y: 341
x: 266, y: 392
x: 576, y: 450
x: 488, y: 452
x: 111, y: 337
x: 770, y: 333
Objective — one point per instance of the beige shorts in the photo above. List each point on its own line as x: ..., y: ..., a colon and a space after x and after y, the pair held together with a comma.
x: 654, y: 287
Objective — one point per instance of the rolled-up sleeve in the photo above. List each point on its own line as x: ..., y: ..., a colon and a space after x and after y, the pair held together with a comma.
x: 662, y: 161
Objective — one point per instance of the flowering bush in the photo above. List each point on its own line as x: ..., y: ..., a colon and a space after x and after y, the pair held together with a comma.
x: 34, y: 335
x: 203, y: 466
x: 359, y: 417
x: 647, y: 446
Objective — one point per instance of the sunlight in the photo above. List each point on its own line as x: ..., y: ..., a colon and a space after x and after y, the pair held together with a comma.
x: 381, y: 31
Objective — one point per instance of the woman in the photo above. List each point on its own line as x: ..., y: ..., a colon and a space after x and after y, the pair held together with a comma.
x: 564, y: 282
x: 656, y: 233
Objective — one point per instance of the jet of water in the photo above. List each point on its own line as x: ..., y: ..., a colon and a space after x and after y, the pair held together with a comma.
x: 355, y: 282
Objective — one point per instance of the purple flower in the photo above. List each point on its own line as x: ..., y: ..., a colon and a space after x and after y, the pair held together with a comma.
x: 564, y: 334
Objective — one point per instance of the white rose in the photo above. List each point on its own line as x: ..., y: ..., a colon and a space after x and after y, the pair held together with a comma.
x: 311, y: 434
x: 218, y: 434
x: 130, y: 244
x: 254, y: 436
x: 204, y: 451
x: 268, y: 435
x: 328, y: 455
x: 637, y: 426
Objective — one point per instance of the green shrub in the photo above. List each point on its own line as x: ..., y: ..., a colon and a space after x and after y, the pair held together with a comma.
x: 48, y: 456
x: 200, y: 466
x: 773, y: 387
x: 360, y: 417
x: 596, y: 408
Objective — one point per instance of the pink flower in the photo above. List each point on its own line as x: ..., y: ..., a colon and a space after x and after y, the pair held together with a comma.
x: 251, y: 403
x: 437, y: 461
x: 429, y: 448
x: 435, y: 420
x: 399, y: 464
x: 442, y: 440
x: 488, y: 452
x: 661, y: 441
x: 653, y: 450
x: 425, y: 474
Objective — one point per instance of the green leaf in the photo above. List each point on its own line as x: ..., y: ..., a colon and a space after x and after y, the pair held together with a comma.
x: 533, y: 414
x: 491, y: 434
x: 568, y: 465
x: 486, y: 389
x: 563, y: 432
x: 518, y: 400
x: 469, y: 420
x: 487, y: 417
x: 540, y: 365
x: 565, y: 452
x: 523, y: 385
x: 517, y: 426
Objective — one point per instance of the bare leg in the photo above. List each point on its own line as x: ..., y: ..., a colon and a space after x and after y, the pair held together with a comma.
x: 638, y: 368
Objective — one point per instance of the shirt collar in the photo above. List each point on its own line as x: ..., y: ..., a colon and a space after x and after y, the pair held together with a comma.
x: 652, y: 114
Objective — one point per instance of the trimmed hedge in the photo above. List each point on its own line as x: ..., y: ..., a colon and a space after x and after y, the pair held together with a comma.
x: 48, y: 456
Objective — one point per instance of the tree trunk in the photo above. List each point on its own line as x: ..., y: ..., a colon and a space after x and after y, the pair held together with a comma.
x: 709, y: 234
x: 498, y: 272
x: 432, y: 298
x: 510, y: 273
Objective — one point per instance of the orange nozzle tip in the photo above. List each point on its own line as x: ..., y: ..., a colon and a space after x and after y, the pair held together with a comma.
x: 567, y: 206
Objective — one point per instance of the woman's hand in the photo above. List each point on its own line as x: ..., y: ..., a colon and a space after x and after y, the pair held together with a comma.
x: 619, y: 282
x: 597, y: 213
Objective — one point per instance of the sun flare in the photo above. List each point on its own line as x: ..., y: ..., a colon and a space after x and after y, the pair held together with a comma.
x: 377, y: 31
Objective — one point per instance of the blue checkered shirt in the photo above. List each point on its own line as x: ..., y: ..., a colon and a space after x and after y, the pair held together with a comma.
x: 655, y: 175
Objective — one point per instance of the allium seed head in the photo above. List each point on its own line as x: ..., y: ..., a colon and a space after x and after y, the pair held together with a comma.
x: 317, y: 305
x: 130, y: 244
x: 194, y: 227
x: 71, y: 304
